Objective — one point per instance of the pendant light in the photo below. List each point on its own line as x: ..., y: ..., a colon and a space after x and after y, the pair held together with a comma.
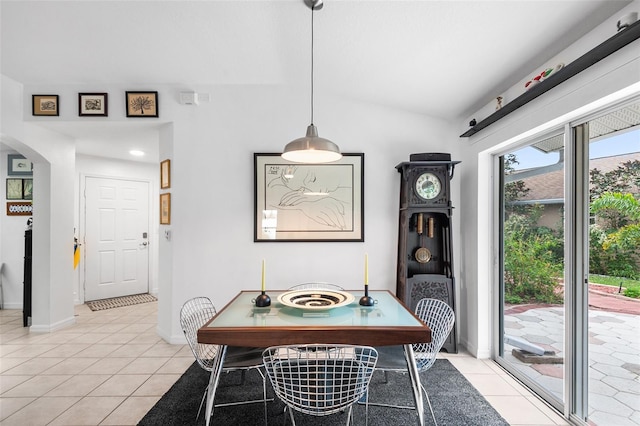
x: 311, y: 148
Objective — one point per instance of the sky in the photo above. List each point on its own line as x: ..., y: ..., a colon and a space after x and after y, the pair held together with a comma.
x: 620, y: 143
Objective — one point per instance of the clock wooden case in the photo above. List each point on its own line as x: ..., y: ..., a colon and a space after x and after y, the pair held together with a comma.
x: 425, y: 254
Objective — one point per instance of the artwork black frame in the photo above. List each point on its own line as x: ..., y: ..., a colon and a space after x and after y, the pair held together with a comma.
x: 137, y: 102
x: 93, y: 104
x: 45, y: 105
x: 321, y: 203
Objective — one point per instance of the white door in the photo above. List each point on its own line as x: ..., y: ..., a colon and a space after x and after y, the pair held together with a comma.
x: 116, y: 238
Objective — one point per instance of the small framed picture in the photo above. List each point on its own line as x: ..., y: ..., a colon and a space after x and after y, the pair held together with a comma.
x: 27, y: 189
x: 19, y: 166
x: 14, y: 189
x: 142, y: 104
x: 19, y: 208
x: 45, y: 105
x: 92, y: 104
x: 165, y: 209
x: 165, y: 174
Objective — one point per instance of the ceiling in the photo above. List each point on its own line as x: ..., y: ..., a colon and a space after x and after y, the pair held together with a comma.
x: 439, y: 58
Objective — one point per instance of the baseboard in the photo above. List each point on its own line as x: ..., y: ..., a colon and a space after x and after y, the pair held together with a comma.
x: 17, y: 306
x: 172, y: 339
x: 475, y: 351
x: 52, y: 327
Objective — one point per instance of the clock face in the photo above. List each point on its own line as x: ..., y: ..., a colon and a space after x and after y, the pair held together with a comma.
x: 428, y: 186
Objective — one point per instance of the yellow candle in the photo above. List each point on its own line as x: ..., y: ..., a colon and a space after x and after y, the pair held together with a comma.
x: 263, y: 287
x: 366, y: 269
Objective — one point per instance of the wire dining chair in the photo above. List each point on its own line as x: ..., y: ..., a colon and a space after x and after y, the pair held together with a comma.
x: 320, y: 380
x: 194, y: 314
x: 440, y: 318
x: 316, y: 286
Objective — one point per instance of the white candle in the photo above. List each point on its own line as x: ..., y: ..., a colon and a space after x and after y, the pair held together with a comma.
x: 366, y: 269
x: 263, y: 287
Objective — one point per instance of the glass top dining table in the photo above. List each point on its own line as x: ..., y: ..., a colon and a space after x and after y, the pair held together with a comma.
x: 241, y: 323
x: 387, y: 322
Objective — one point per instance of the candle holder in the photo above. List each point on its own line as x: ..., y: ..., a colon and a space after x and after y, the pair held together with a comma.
x: 367, y: 300
x: 263, y: 300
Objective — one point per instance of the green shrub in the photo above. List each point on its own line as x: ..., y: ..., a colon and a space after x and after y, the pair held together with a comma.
x: 531, y: 270
x: 632, y: 292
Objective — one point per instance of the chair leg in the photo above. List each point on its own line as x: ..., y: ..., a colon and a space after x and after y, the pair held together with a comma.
x: 433, y: 416
x: 293, y: 421
x: 204, y: 395
x: 349, y: 418
x: 264, y: 395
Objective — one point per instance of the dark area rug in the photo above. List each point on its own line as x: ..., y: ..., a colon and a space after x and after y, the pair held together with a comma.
x: 455, y: 401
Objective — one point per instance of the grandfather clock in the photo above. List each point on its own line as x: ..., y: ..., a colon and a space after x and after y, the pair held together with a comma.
x: 425, y: 255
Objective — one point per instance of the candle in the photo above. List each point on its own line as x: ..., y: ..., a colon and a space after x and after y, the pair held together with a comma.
x: 366, y: 269
x: 263, y: 287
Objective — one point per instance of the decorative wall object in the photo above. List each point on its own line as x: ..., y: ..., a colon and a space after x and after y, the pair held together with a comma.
x: 45, y: 105
x: 165, y: 209
x: 27, y: 189
x: 308, y: 202
x: 93, y: 104
x: 19, y: 189
x: 14, y: 189
x: 19, y: 208
x: 165, y: 174
x: 19, y: 165
x: 142, y: 104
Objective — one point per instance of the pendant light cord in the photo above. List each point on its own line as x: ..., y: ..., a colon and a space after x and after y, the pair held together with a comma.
x: 312, y: 9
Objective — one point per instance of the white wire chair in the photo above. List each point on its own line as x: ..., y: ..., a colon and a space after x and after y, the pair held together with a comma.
x: 316, y: 286
x: 193, y: 315
x: 440, y: 318
x: 320, y: 380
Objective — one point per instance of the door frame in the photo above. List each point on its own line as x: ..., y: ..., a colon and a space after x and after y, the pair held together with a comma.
x: 80, y: 232
x: 574, y: 406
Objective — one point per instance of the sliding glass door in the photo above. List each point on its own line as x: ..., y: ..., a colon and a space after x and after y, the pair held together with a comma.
x: 569, y: 270
x: 614, y: 268
x: 532, y: 259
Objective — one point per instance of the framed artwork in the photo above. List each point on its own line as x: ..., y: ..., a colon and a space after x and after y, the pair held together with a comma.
x: 308, y: 202
x: 165, y: 209
x: 27, y: 189
x: 93, y: 104
x: 19, y: 165
x: 142, y: 104
x: 14, y: 189
x: 19, y: 208
x: 165, y: 174
x: 45, y: 105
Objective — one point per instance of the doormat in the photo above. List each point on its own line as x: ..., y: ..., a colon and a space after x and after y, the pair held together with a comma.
x: 118, y: 302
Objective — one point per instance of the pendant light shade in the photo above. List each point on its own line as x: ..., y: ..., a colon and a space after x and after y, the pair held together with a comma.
x: 311, y: 148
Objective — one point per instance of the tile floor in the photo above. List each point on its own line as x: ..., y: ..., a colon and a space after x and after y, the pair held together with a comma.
x: 110, y: 368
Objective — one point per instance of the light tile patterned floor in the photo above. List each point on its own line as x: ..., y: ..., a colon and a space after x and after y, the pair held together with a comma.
x: 110, y: 368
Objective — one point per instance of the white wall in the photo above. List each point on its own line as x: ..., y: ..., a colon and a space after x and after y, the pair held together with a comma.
x: 614, y: 78
x: 212, y: 192
x: 211, y: 250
